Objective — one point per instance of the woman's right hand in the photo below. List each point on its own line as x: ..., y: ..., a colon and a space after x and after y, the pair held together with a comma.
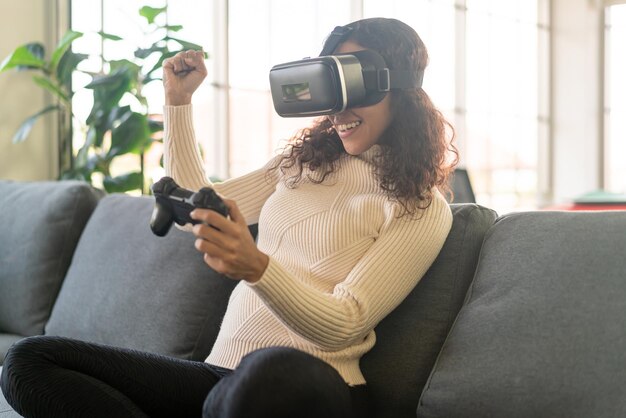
x: 182, y: 74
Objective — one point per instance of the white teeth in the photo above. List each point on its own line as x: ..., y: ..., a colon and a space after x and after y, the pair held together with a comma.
x: 348, y: 126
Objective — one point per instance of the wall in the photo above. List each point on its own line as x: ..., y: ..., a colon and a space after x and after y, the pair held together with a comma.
x: 576, y: 98
x: 35, y: 159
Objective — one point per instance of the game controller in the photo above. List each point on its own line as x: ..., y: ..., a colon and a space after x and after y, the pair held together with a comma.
x: 174, y: 203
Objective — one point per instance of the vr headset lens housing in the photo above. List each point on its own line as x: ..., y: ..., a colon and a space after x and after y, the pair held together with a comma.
x: 317, y: 86
x: 332, y: 83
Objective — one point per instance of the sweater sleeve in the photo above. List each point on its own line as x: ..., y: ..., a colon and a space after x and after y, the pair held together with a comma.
x: 183, y: 163
x: 181, y: 156
x: 378, y: 283
x: 250, y: 191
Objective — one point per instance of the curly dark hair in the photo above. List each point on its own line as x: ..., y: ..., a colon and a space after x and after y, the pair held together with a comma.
x: 415, y: 148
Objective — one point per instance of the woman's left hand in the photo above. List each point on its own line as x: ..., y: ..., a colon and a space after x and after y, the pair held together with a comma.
x: 229, y: 249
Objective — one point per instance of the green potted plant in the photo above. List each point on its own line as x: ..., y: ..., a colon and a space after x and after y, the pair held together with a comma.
x: 111, y: 130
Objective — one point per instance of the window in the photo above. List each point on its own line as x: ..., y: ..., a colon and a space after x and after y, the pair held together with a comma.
x: 615, y: 99
x: 503, y: 119
x: 488, y: 60
x: 484, y: 74
x: 434, y: 22
x: 263, y: 33
x: 122, y: 18
x: 259, y: 34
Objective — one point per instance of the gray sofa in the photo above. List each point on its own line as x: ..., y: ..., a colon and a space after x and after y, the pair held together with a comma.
x: 520, y: 316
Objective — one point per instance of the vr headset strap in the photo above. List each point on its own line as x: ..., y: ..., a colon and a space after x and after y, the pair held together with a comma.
x: 380, y: 80
x: 335, y: 38
x: 386, y: 79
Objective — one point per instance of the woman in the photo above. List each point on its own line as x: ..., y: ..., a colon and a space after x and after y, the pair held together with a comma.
x: 350, y: 218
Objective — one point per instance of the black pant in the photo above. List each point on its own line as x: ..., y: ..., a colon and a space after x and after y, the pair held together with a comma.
x: 59, y: 377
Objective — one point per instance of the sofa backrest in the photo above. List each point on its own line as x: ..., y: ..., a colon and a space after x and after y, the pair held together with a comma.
x: 542, y: 332
x: 409, y: 339
x: 41, y: 224
x: 130, y: 288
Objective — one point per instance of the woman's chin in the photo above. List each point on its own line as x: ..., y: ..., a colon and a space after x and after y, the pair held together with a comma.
x: 355, y: 149
x: 352, y: 150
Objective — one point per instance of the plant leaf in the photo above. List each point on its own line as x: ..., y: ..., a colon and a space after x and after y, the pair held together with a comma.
x: 49, y: 85
x: 82, y: 173
x: 107, y: 91
x: 131, y: 70
x: 76, y: 174
x: 125, y: 65
x: 22, y: 57
x: 118, y: 115
x: 37, y: 50
x: 63, y: 46
x: 24, y: 130
x: 67, y: 65
x: 132, y: 135
x: 184, y: 44
x: 110, y: 36
x: 144, y: 53
x: 83, y: 153
x: 123, y: 183
x: 172, y: 28
x: 112, y: 79
x: 150, y: 13
x: 155, y: 126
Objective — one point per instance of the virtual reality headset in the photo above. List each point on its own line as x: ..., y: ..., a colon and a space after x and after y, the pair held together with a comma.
x: 332, y: 83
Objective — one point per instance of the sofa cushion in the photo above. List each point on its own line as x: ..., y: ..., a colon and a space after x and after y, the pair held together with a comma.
x: 127, y: 287
x: 543, y: 330
x: 409, y: 339
x: 6, y: 341
x: 42, y: 223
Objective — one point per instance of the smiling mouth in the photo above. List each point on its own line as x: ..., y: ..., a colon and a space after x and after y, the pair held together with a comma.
x: 344, y: 127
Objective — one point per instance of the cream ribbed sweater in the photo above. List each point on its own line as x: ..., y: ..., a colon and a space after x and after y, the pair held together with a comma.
x: 340, y: 257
